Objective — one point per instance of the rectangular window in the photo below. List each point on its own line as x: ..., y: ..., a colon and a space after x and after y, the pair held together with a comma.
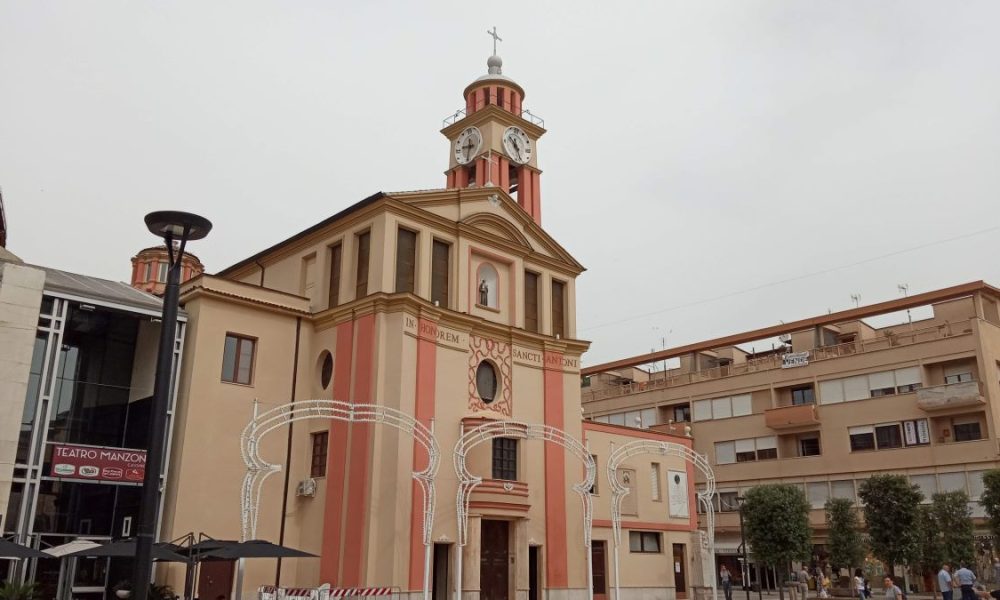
x: 558, y: 309
x: 406, y: 260
x: 745, y: 451
x: 505, y: 459
x: 907, y: 380
x: 728, y: 502
x: 967, y: 431
x: 654, y: 482
x: 336, y: 252
x: 364, y: 241
x: 530, y: 301
x: 149, y: 272
x: 725, y: 453
x: 237, y: 359
x: 440, y: 272
x: 162, y: 275
x: 644, y: 541
x: 809, y: 445
x: 702, y: 410
x: 682, y: 413
x: 843, y: 488
x: 742, y: 405
x: 767, y: 447
x: 803, y: 395
x: 881, y: 384
x: 722, y: 408
x: 320, y: 442
x: 818, y: 493
x: 593, y: 488
x: 888, y: 436
x: 862, y: 438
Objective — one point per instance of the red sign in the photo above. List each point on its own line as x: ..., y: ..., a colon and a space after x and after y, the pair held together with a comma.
x: 98, y: 463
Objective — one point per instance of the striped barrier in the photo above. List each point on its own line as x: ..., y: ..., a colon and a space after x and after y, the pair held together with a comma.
x: 270, y: 592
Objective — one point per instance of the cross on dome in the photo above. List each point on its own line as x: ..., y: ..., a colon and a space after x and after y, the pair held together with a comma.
x: 496, y: 38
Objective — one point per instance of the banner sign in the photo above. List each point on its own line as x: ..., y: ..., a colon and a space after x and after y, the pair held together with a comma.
x: 794, y: 359
x: 98, y: 463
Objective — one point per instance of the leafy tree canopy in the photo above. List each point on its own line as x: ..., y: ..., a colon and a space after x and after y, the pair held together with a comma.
x: 845, y: 545
x: 990, y: 498
x: 776, y: 521
x: 892, y: 516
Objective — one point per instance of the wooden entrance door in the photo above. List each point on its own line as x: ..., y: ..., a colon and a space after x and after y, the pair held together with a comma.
x: 215, y: 579
x: 598, y: 558
x: 680, y: 571
x: 494, y: 563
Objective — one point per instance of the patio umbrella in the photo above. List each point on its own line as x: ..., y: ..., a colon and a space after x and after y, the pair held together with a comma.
x: 69, y: 548
x: 161, y: 551
x: 15, y: 550
x: 255, y: 549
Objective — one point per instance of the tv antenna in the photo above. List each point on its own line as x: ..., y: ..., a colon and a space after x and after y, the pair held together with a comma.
x: 856, y: 298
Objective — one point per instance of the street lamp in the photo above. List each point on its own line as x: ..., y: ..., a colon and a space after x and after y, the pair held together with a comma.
x: 743, y: 549
x: 179, y: 227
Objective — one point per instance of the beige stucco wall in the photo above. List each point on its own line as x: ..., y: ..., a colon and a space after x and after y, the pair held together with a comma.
x: 20, y: 302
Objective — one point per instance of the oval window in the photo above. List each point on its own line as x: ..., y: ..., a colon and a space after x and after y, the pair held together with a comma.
x: 486, y: 382
x: 326, y: 369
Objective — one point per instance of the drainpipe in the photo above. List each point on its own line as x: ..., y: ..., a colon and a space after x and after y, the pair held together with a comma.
x: 288, y: 446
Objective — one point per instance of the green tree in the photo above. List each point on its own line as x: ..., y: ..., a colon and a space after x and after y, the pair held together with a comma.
x: 845, y: 545
x: 990, y: 498
x: 776, y: 522
x: 953, y: 520
x: 892, y: 516
x: 931, y: 557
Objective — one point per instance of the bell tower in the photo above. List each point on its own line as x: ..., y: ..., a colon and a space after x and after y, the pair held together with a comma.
x: 493, y: 139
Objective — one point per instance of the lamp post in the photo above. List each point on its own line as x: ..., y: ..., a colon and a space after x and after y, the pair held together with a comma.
x: 180, y: 227
x: 743, y: 550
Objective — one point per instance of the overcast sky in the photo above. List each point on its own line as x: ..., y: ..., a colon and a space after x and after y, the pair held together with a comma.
x: 717, y: 166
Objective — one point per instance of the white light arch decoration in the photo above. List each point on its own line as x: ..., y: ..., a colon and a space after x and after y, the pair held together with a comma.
x: 258, y: 470
x: 518, y: 430
x: 619, y: 491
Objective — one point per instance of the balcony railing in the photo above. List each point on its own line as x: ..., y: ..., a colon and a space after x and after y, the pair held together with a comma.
x: 788, y: 417
x: 950, y: 395
x: 891, y: 338
x: 460, y: 114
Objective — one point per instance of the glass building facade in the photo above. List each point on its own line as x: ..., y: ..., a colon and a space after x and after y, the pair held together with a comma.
x: 90, y: 384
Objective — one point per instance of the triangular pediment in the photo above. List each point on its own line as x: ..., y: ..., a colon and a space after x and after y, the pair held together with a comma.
x: 492, y: 213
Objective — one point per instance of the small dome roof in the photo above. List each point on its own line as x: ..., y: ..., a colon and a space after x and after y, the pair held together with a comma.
x: 495, y: 74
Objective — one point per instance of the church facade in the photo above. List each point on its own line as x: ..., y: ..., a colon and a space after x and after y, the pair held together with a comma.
x: 453, y: 306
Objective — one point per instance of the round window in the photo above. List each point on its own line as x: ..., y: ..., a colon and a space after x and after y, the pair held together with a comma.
x: 325, y: 369
x: 486, y: 381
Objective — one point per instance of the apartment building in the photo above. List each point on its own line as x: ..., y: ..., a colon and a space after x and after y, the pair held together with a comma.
x: 832, y: 401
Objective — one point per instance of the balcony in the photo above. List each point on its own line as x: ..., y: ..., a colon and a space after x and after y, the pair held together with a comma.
x: 791, y: 417
x: 951, y: 395
x: 890, y: 339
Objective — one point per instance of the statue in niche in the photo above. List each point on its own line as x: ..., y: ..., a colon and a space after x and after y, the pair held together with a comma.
x: 484, y: 293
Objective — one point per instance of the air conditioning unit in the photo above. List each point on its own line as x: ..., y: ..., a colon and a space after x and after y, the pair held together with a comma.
x: 306, y: 487
x: 785, y: 338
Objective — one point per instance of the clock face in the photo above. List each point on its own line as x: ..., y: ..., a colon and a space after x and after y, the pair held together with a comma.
x: 517, y: 144
x: 467, y: 145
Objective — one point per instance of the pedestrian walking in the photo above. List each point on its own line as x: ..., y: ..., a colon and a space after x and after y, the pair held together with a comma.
x: 945, y: 582
x: 966, y: 579
x: 892, y: 591
x: 804, y: 582
x: 726, y: 579
x: 859, y: 584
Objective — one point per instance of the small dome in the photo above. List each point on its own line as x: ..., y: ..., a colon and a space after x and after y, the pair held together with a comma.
x: 495, y: 64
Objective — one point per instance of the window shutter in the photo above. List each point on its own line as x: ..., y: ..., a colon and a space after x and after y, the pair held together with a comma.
x: 702, y: 410
x: 908, y: 376
x: 530, y: 301
x: 722, y: 408
x: 725, y: 453
x: 745, y: 445
x: 440, y: 270
x: 335, y: 255
x: 361, y: 280
x: 831, y: 392
x: 406, y: 260
x: 878, y: 381
x: 856, y: 388
x: 742, y: 405
x: 558, y: 307
x: 654, y: 481
x: 767, y: 443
